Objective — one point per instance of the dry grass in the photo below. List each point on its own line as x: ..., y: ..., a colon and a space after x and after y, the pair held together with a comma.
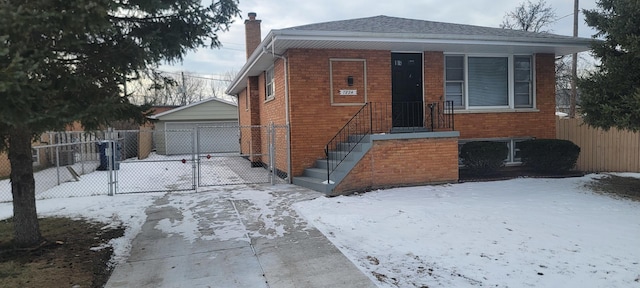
x: 617, y: 186
x: 64, y: 260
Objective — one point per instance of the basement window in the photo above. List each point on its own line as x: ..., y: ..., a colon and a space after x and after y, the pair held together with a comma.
x: 513, y: 156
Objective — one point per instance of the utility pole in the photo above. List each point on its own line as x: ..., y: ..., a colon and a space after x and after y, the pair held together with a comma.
x: 574, y: 66
x: 184, y: 90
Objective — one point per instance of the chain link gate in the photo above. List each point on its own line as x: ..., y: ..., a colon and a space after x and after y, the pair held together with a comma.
x: 251, y: 161
x: 215, y: 156
x: 156, y: 172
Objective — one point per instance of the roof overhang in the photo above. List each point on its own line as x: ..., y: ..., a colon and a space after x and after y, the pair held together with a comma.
x: 278, y: 42
x: 180, y: 108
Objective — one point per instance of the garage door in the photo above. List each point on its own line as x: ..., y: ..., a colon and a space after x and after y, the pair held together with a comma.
x: 208, y: 137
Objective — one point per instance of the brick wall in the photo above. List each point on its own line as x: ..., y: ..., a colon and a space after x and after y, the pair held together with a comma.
x: 249, y: 114
x: 314, y: 121
x: 432, y: 160
x: 272, y: 111
x: 433, y: 76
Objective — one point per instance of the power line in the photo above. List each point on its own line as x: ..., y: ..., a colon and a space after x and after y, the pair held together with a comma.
x: 565, y: 16
x: 195, y: 76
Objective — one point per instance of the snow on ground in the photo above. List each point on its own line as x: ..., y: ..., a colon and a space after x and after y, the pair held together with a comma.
x: 161, y: 173
x: 516, y: 233
x: 121, y: 210
x: 266, y: 205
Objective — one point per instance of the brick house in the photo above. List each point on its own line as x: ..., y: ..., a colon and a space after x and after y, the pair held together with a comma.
x: 385, y: 101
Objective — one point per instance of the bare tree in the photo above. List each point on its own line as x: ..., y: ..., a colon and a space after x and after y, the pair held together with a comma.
x: 182, y: 88
x: 564, y: 75
x: 529, y: 16
x: 535, y: 17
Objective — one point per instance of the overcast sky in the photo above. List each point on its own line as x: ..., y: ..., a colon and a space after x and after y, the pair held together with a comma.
x: 279, y: 14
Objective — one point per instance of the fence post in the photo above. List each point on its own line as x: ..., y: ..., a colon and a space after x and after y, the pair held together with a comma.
x: 271, y: 152
x: 82, y: 155
x: 195, y: 156
x: 107, y: 153
x: 110, y: 159
x: 289, y: 177
x: 58, y: 163
x: 116, y: 166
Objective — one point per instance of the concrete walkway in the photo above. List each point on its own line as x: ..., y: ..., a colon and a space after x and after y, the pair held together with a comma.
x: 235, y: 236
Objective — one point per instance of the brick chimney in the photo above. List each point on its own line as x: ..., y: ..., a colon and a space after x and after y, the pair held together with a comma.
x: 252, y: 33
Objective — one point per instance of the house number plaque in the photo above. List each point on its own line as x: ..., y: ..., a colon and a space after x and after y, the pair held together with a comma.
x: 348, y: 92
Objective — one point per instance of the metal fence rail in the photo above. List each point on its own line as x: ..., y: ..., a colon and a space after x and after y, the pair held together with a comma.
x: 72, y: 164
x: 185, y: 159
x: 57, y: 164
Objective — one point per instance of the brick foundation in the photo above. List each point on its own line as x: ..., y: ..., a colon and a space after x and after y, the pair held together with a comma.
x: 403, y: 162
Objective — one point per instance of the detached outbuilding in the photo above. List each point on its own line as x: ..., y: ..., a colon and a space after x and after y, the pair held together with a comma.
x: 208, y: 126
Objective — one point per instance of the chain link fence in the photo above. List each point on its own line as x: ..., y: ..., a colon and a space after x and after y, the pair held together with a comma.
x: 72, y: 164
x: 204, y: 156
x: 59, y: 158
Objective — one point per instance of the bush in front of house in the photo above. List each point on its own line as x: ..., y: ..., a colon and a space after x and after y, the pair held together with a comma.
x: 483, y: 157
x: 549, y: 155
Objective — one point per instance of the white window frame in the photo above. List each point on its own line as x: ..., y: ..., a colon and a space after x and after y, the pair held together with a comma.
x: 463, y: 81
x: 510, y: 82
x: 531, y: 81
x: 269, y: 84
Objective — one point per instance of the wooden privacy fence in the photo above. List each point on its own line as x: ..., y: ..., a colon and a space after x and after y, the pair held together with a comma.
x: 601, y: 151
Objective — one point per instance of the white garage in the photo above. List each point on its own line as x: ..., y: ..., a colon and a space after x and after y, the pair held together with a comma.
x: 208, y: 126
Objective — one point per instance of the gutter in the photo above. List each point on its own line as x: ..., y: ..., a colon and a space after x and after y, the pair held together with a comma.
x: 244, y: 71
x: 286, y: 103
x: 425, y: 37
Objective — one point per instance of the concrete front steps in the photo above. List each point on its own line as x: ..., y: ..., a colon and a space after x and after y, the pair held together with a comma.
x: 315, y: 178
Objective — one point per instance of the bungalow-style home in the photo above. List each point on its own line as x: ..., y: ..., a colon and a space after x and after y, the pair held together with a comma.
x: 210, y: 125
x: 385, y: 101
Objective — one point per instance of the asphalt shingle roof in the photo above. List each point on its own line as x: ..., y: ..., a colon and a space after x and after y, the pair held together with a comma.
x: 386, y: 24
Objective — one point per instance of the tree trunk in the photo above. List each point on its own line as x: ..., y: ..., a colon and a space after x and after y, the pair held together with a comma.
x: 25, y: 219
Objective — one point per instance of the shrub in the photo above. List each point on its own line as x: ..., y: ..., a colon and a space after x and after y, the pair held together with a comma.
x: 483, y: 157
x: 549, y: 155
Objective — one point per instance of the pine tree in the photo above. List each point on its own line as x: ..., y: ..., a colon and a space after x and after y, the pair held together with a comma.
x: 66, y: 60
x: 610, y: 96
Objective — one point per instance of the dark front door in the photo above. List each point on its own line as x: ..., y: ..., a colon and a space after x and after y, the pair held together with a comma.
x: 406, y: 86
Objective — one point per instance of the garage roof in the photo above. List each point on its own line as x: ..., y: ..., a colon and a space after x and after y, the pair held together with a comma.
x: 208, y: 109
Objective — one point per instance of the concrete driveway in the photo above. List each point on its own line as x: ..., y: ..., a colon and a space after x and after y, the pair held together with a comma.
x: 234, y: 236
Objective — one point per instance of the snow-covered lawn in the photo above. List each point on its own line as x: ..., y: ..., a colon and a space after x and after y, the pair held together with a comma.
x: 516, y: 233
x: 114, y: 211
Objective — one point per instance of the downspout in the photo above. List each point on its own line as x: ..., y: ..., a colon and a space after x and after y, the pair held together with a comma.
x: 286, y: 105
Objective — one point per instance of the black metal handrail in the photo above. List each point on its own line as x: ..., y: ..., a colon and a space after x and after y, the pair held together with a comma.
x: 408, y: 117
x: 356, y: 129
x: 400, y: 117
x: 441, y: 115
